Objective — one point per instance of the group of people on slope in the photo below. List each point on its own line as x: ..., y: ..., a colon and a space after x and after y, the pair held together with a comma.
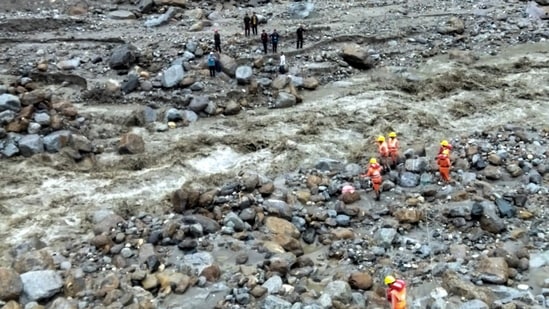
x: 388, y: 155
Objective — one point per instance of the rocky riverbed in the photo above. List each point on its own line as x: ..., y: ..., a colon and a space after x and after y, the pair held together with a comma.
x: 131, y: 179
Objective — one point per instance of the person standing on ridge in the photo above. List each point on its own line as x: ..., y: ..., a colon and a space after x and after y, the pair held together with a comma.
x: 217, y: 41
x: 211, y: 64
x: 299, y: 34
x: 374, y: 173
x: 443, y: 161
x: 396, y: 292
x: 282, y: 67
x: 255, y: 22
x: 274, y: 40
x: 393, y: 145
x: 264, y: 40
x: 383, y: 151
x: 445, y: 145
x: 247, y: 21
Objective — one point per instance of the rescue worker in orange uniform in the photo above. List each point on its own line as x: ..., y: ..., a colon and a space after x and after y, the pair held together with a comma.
x: 393, y: 145
x: 396, y: 292
x: 443, y: 161
x: 383, y: 150
x: 374, y: 172
x: 445, y: 145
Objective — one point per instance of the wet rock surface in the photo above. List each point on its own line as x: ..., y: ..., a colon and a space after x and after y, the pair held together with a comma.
x: 132, y: 179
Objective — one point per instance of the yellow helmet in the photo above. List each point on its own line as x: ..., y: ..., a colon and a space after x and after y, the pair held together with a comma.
x: 392, y: 134
x: 389, y: 279
x: 444, y: 143
x: 373, y: 161
x: 381, y: 139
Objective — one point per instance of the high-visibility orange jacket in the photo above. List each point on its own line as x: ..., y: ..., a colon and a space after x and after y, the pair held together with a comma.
x: 443, y: 161
x: 396, y: 294
x: 383, y: 149
x: 374, y: 172
x: 393, y: 144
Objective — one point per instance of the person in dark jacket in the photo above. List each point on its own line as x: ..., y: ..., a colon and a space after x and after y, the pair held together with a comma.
x: 217, y: 41
x: 255, y: 22
x: 247, y: 21
x: 264, y: 40
x: 299, y: 34
x: 274, y: 40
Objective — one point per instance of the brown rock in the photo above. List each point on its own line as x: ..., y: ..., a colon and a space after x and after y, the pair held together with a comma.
x: 43, y: 66
x: 492, y: 172
x: 102, y: 242
x: 150, y: 282
x: 206, y: 199
x: 131, y: 143
x: 349, y: 198
x: 466, y: 289
x: 288, y: 243
x: 258, y: 291
x: 74, y: 283
x: 212, y: 273
x: 185, y: 198
x: 361, y: 281
x: 266, y: 189
x: 34, y: 260
x: 408, y: 215
x: 12, y: 304
x: 453, y: 26
x: 343, y: 233
x: 310, y: 83
x: 18, y: 125
x: 303, y: 196
x: 281, y: 226
x: 10, y: 284
x: 524, y: 214
x: 173, y: 282
x: 56, y: 122
x: 81, y: 8
x: 187, y: 81
x: 514, y: 169
x: 494, y: 159
x: 232, y: 108
x: 35, y: 97
x: 26, y: 112
x: 493, y: 270
x: 280, y: 82
x: 313, y: 181
x: 108, y: 283
x: 357, y: 57
x: 69, y: 112
x: 180, y: 3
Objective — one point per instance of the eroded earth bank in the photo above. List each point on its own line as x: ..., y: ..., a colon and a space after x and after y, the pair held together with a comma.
x: 132, y: 179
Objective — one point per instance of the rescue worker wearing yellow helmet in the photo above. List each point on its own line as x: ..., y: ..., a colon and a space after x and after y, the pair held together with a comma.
x: 374, y: 173
x: 383, y: 151
x: 396, y: 292
x: 444, y: 145
x: 393, y: 144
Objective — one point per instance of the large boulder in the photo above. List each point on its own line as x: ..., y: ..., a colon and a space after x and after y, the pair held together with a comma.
x: 57, y: 140
x: 123, y: 57
x: 493, y: 270
x: 185, y: 198
x: 452, y: 282
x: 172, y: 76
x: 408, y: 180
x: 228, y: 65
x: 199, y: 103
x: 277, y: 225
x: 41, y: 284
x: 301, y: 9
x: 131, y: 143
x: 162, y: 19
x: 10, y: 284
x: 284, y: 100
x: 180, y: 3
x: 357, y: 57
x: 9, y: 102
x: 339, y: 290
x: 31, y: 144
x: 244, y: 74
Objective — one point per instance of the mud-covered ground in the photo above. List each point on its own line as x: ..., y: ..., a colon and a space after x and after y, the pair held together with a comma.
x: 423, y: 98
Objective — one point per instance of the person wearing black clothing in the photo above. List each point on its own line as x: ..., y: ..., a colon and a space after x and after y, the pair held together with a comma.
x: 217, y: 41
x: 299, y: 33
x: 264, y: 40
x: 274, y: 40
x: 255, y: 22
x: 247, y: 20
